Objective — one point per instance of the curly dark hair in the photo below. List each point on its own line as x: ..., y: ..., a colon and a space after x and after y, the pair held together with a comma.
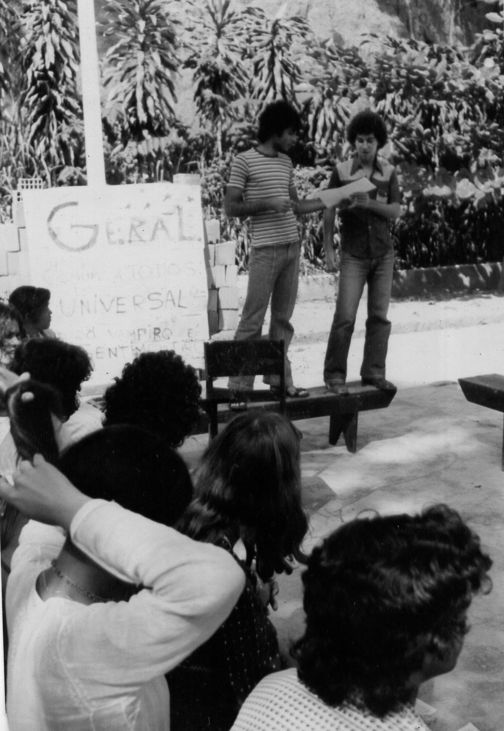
x: 133, y: 467
x: 381, y: 593
x: 367, y: 123
x: 61, y: 365
x: 248, y: 484
x: 157, y: 391
x: 275, y: 118
x: 29, y: 300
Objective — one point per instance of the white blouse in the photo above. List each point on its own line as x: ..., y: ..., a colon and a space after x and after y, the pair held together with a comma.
x: 76, y: 667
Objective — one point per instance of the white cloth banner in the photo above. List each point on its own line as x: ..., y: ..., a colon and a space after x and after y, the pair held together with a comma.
x: 125, y: 267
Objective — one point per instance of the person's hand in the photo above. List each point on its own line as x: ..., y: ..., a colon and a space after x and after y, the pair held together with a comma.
x: 359, y: 200
x: 43, y: 493
x: 267, y: 591
x: 330, y: 259
x: 8, y: 379
x: 344, y: 204
x: 280, y: 205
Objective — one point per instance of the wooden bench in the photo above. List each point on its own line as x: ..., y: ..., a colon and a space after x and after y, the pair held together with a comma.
x: 343, y: 411
x: 486, y: 390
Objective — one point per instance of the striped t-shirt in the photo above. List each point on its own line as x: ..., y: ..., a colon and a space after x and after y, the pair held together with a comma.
x: 262, y: 176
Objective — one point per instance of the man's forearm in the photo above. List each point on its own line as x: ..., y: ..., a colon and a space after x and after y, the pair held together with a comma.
x: 308, y: 206
x: 238, y: 209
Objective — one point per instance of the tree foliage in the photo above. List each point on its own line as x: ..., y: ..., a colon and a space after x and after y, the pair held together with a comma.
x: 50, y: 105
x: 139, y: 67
x: 443, y: 106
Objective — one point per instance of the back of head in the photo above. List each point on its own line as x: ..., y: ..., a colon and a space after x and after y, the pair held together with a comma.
x: 157, y: 391
x: 132, y: 467
x: 367, y: 122
x: 276, y: 118
x: 29, y: 300
x: 382, y: 595
x: 249, y: 478
x: 61, y: 365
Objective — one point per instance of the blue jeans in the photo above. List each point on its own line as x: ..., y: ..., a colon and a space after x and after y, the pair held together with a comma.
x: 273, y: 273
x: 354, y: 274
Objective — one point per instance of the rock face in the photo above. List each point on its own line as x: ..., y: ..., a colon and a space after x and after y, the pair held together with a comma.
x: 435, y: 21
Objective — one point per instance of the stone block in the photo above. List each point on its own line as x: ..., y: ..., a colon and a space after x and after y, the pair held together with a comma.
x: 228, y: 319
x: 225, y: 253
x: 228, y: 298
x: 231, y: 275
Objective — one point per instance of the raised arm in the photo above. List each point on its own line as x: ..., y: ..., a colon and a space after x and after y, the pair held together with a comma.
x: 187, y: 588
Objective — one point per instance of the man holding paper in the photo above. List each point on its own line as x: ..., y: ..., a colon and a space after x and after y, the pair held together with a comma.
x: 365, y: 191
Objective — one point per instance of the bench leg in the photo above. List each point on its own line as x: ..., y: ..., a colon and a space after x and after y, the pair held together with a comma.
x: 346, y: 424
x: 212, y: 420
x: 502, y: 458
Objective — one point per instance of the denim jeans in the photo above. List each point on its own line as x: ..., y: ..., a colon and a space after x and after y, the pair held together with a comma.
x: 273, y: 273
x: 354, y: 274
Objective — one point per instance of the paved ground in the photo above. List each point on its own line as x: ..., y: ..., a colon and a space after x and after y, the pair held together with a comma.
x: 430, y: 445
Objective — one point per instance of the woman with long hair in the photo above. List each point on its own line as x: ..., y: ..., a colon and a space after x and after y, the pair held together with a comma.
x: 248, y: 501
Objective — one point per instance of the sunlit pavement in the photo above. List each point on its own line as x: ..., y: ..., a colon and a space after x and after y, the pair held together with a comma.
x: 429, y: 446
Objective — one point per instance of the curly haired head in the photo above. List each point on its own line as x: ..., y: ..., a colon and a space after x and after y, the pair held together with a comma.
x: 367, y: 123
x: 157, y: 391
x: 29, y: 300
x: 61, y: 365
x: 383, y: 596
x: 275, y: 118
x: 249, y: 481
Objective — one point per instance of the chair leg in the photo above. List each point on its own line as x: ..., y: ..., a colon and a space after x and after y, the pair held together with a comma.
x: 346, y: 424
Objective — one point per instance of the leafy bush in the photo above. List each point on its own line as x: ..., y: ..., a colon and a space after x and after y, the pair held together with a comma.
x: 443, y: 105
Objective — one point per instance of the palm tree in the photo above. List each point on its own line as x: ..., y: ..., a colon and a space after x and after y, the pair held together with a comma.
x: 220, y: 74
x: 139, y: 66
x: 49, y: 105
x: 276, y: 71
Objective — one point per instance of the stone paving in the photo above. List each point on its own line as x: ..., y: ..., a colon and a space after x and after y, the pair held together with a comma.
x: 429, y: 446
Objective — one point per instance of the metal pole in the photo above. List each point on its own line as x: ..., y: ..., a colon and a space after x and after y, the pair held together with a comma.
x: 95, y: 163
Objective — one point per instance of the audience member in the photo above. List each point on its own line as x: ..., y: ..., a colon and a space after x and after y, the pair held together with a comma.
x: 11, y: 333
x: 32, y: 303
x: 248, y: 501
x: 59, y: 368
x: 99, y: 612
x: 65, y: 367
x: 386, y: 603
x: 157, y: 391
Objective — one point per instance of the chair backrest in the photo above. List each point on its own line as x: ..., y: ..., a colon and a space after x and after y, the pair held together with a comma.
x: 245, y: 358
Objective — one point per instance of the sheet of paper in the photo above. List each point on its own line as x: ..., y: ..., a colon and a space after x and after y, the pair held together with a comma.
x: 333, y: 196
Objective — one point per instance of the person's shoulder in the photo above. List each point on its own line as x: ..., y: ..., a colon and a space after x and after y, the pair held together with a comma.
x: 249, y: 154
x: 282, y: 679
x: 387, y: 167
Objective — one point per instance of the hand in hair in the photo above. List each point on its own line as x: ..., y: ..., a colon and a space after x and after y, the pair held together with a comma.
x: 43, y: 493
x: 10, y: 380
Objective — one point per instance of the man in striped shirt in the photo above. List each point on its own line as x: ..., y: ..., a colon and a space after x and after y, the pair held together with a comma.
x: 261, y: 188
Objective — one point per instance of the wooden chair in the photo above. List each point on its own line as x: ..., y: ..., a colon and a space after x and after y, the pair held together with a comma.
x: 225, y: 358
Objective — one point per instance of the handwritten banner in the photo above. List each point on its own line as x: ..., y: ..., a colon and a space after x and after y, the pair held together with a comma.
x: 125, y: 267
